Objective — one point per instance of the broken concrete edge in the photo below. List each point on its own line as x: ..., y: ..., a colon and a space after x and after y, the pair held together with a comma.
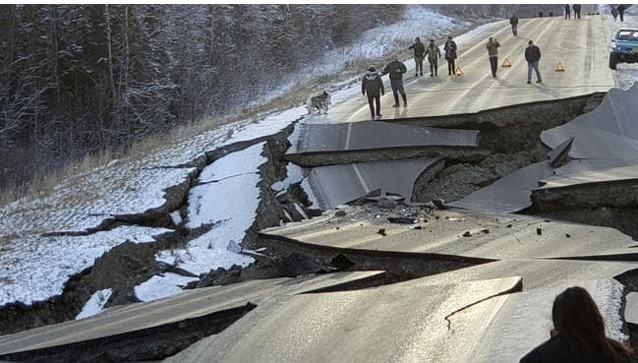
x: 559, y: 156
x: 449, y: 152
x: 481, y: 120
x: 381, y: 278
x: 618, y: 257
x: 157, y: 342
x: 612, y: 193
x: 373, y: 259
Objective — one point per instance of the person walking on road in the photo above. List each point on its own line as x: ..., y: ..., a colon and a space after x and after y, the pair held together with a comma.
x: 578, y: 334
x: 419, y: 54
x: 434, y: 53
x: 514, y: 23
x: 396, y: 69
x: 533, y: 56
x: 621, y: 11
x: 372, y: 86
x: 492, y: 52
x: 576, y: 11
x: 450, y: 54
x: 568, y: 14
x: 614, y: 12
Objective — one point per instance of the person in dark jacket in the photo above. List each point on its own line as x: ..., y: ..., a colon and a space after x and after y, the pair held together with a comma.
x: 434, y: 53
x: 614, y: 12
x: 579, y: 334
x: 533, y: 56
x: 450, y: 54
x: 568, y: 14
x: 492, y: 52
x: 621, y: 11
x: 372, y: 85
x: 396, y: 69
x: 576, y: 11
x: 514, y: 23
x: 419, y: 54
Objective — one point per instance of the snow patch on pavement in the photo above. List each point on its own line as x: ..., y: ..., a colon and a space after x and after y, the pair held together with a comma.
x: 35, y: 268
x: 95, y: 305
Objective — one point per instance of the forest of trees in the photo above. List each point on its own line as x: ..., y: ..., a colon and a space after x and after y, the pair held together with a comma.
x: 76, y: 79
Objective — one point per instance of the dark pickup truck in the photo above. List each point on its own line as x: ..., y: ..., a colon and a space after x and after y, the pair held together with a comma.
x: 624, y: 48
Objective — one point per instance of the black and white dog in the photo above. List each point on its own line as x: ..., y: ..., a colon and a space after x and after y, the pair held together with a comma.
x: 318, y: 103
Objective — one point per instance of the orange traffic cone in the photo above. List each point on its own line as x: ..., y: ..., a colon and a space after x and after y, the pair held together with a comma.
x: 458, y: 72
x: 507, y: 63
x: 559, y: 67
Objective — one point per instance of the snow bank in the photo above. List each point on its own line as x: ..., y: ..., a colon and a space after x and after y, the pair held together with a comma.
x: 385, y: 40
x: 95, y: 305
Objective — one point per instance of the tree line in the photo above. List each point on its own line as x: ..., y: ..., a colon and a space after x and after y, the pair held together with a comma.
x: 78, y: 79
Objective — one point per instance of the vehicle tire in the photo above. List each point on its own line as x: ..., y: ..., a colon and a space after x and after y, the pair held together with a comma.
x: 612, y: 62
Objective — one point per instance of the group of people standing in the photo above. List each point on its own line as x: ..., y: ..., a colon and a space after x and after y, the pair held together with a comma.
x: 372, y: 85
x: 618, y: 10
x: 576, y: 8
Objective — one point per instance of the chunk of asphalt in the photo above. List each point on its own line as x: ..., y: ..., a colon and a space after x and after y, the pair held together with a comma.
x: 297, y: 264
x: 402, y: 220
x: 340, y: 213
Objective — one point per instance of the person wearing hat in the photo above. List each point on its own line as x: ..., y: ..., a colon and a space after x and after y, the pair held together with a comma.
x: 533, y: 56
x: 396, y: 69
x: 372, y: 85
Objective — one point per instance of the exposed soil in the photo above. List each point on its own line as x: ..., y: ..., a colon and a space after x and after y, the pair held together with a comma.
x: 512, y: 134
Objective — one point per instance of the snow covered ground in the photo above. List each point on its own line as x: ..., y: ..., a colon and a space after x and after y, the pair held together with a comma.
x: 35, y: 268
x: 227, y: 199
x: 385, y: 40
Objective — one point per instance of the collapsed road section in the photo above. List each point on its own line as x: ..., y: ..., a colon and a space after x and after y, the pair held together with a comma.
x: 455, y: 261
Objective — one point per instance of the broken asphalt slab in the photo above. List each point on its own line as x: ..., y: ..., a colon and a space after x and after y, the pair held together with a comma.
x: 327, y: 144
x: 509, y: 194
x: 339, y: 184
x: 589, y: 184
x: 137, y: 320
x: 411, y: 321
x: 607, y: 132
x: 398, y: 322
x: 509, y: 237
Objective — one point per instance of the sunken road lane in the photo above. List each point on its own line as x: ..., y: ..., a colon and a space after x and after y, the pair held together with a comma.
x: 581, y: 46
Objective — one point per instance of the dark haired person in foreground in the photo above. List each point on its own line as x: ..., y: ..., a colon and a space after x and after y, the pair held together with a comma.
x: 579, y: 334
